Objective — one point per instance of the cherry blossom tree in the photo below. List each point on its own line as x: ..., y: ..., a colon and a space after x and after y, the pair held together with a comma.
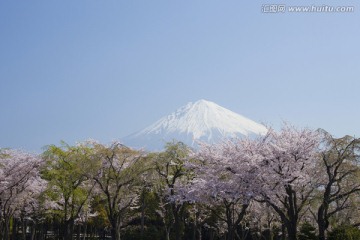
x: 224, y: 174
x: 19, y: 184
x: 288, y: 174
x: 30, y: 209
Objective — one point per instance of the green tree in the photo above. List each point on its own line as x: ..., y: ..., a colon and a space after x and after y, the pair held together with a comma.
x: 339, y: 166
x: 307, y: 232
x: 67, y: 169
x: 169, y: 166
x: 344, y: 233
x: 117, y: 178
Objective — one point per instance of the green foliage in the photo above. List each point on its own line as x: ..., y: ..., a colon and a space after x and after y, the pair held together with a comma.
x: 67, y: 171
x: 169, y: 166
x: 344, y: 233
x: 307, y: 232
x: 2, y: 155
x: 170, y: 163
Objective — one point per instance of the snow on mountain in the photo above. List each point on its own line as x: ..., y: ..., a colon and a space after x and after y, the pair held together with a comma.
x: 199, y: 121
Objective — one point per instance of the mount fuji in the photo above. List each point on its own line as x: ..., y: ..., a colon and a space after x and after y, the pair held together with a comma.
x: 200, y: 121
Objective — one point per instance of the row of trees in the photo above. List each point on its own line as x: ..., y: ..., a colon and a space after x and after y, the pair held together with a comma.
x: 291, y: 184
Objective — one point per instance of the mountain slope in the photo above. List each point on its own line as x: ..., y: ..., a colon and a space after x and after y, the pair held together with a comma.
x: 202, y: 120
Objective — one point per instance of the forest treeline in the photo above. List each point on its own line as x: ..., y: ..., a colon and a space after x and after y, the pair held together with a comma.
x: 295, y: 184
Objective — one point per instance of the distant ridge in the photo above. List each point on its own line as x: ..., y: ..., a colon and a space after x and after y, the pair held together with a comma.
x: 200, y: 121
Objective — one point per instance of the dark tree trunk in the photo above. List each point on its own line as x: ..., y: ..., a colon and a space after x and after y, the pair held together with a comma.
x: 23, y: 229
x: 14, y: 229
x: 6, y: 228
x: 283, y: 232
x: 322, y: 222
x: 42, y: 232
x: 33, y: 231
x: 142, y: 216
x: 177, y: 223
x: 291, y: 229
x: 78, y: 232
x: 85, y: 231
x: 115, y: 229
x: 200, y: 233
x: 68, y: 228
x: 229, y: 222
x: 194, y: 230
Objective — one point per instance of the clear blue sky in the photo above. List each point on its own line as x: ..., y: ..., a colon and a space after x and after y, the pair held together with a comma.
x: 102, y: 69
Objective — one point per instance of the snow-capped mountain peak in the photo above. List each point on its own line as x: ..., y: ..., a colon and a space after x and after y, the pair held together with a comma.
x: 202, y: 120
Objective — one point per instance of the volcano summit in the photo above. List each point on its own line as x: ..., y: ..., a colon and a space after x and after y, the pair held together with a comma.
x: 200, y: 121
